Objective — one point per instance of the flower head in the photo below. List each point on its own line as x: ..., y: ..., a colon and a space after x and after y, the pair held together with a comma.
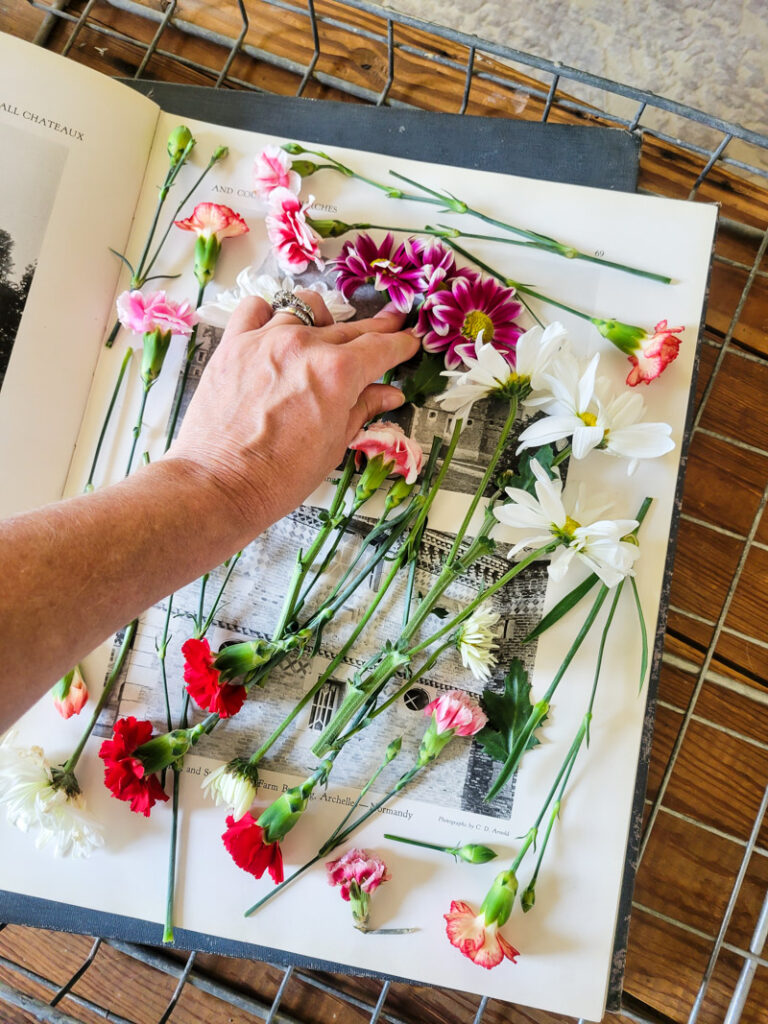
x: 451, y: 714
x: 25, y: 778
x: 571, y: 532
x: 244, y: 839
x: 475, y: 642
x: 250, y: 282
x: 70, y: 694
x: 436, y: 262
x: 212, y: 219
x: 397, y: 271
x: 124, y: 771
x: 389, y: 452
x: 648, y: 353
x: 143, y: 314
x: 180, y: 142
x: 271, y: 170
x: 296, y: 245
x: 477, y: 935
x: 569, y: 402
x: 358, y: 873
x: 234, y: 785
x: 66, y: 826
x: 204, y: 683
x: 451, y: 319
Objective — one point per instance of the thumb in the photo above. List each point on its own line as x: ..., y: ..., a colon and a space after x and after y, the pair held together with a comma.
x: 373, y: 400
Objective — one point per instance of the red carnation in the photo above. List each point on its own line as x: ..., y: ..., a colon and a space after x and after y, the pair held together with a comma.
x: 124, y: 775
x: 244, y: 840
x: 204, y: 683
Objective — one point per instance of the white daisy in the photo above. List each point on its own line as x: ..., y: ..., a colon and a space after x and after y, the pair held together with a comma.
x: 570, y: 406
x: 623, y: 434
x: 475, y: 643
x: 489, y: 373
x: 249, y: 282
x: 234, y: 785
x: 577, y: 531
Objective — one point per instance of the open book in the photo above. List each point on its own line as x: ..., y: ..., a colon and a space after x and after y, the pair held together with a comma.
x: 82, y: 158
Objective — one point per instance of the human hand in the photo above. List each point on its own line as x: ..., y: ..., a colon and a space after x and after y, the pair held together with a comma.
x: 279, y: 402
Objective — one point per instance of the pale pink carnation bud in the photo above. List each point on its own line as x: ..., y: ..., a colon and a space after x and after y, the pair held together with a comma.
x: 70, y: 694
x: 456, y: 711
x: 394, y: 446
x: 271, y: 170
x: 296, y: 244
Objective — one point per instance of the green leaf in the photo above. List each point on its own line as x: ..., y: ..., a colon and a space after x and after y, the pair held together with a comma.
x: 524, y: 478
x: 570, y: 600
x: 426, y: 380
x: 508, y: 713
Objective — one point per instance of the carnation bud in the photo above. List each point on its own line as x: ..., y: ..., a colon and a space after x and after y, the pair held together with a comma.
x: 304, y: 167
x: 154, y: 351
x: 373, y: 476
x: 624, y: 336
x: 329, y: 228
x: 220, y: 153
x: 528, y: 897
x: 398, y: 492
x: 474, y: 853
x: 497, y: 905
x: 163, y: 750
x: 178, y: 142
x: 207, y: 249
x: 293, y: 148
x: 393, y: 750
x: 70, y: 693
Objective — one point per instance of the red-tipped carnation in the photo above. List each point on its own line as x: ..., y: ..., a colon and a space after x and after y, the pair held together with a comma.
x: 244, y: 840
x: 212, y: 219
x: 482, y: 943
x: 400, y: 453
x: 125, y: 775
x: 653, y: 354
x: 204, y: 683
x: 295, y: 243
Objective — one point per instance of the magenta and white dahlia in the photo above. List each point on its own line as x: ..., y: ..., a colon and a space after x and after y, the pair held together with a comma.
x: 451, y: 319
x: 395, y: 271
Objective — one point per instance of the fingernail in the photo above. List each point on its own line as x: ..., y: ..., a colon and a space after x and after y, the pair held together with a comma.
x: 386, y: 310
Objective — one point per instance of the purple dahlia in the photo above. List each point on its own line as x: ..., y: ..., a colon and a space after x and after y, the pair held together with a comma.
x: 362, y: 261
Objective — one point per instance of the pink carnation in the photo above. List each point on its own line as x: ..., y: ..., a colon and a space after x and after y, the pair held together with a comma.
x: 212, y: 219
x: 653, y: 354
x: 481, y: 942
x: 393, y: 444
x: 271, y: 170
x: 144, y: 313
x: 296, y: 244
x: 456, y: 711
x: 357, y: 866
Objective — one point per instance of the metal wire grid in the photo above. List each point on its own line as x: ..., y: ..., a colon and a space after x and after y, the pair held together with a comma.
x: 752, y: 958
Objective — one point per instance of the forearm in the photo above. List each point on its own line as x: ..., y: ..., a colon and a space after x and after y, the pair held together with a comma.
x: 78, y: 570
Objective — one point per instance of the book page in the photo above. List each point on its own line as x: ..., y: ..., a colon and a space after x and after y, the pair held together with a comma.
x: 73, y: 148
x: 566, y: 941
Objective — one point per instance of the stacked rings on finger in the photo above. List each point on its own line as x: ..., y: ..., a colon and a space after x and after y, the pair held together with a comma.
x: 289, y: 302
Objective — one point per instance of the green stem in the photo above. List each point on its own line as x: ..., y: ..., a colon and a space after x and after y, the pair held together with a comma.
x: 369, y: 784
x: 230, y: 569
x: 137, y: 426
x: 162, y: 651
x: 201, y: 605
x: 110, y: 408
x: 278, y: 888
x: 128, y: 638
x: 192, y: 348
x: 432, y: 494
x: 171, y: 888
x: 562, y: 456
x: 420, y: 843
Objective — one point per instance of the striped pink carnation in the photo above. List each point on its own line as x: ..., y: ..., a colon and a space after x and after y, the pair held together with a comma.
x: 144, y: 313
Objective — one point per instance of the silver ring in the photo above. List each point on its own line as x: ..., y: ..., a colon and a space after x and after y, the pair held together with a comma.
x: 289, y: 302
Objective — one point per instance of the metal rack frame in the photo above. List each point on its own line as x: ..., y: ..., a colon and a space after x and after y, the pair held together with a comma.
x: 556, y: 77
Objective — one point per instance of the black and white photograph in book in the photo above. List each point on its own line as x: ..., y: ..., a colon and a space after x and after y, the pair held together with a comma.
x: 29, y: 187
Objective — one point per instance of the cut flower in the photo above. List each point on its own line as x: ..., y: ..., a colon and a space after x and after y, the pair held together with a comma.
x: 573, y: 532
x: 399, y: 272
x: 143, y: 314
x: 358, y: 873
x: 124, y: 772
x: 271, y: 170
x: 234, y: 785
x: 70, y: 694
x: 295, y: 243
x: 398, y: 454
x: 477, y: 939
x: 250, y: 282
x: 475, y: 641
x: 212, y: 219
x: 204, y: 684
x: 649, y: 354
x: 245, y: 842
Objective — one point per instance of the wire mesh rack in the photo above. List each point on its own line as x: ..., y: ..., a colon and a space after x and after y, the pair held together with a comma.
x: 697, y: 944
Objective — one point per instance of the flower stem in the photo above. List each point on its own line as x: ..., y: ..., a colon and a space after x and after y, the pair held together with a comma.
x: 108, y: 415
x: 230, y: 569
x: 137, y: 425
x: 192, y: 348
x: 162, y: 650
x: 171, y: 887
x: 129, y: 636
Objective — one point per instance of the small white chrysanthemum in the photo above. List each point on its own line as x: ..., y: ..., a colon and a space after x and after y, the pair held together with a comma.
x: 66, y: 826
x: 234, y: 785
x: 476, y: 642
x: 568, y: 400
x: 489, y: 373
x: 577, y: 531
x: 25, y: 776
x: 250, y: 282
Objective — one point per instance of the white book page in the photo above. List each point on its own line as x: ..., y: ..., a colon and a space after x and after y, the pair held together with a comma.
x: 566, y: 942
x: 73, y: 148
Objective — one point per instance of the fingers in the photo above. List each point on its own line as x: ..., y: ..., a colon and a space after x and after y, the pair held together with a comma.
x: 377, y: 353
x: 315, y: 302
x: 251, y: 314
x: 384, y: 321
x: 374, y: 400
